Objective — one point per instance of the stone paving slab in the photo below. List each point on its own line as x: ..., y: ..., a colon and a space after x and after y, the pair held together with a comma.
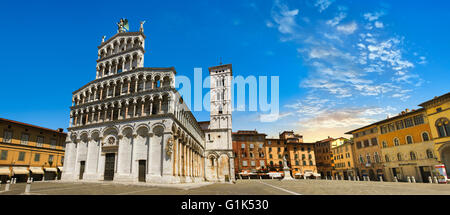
x: 242, y: 187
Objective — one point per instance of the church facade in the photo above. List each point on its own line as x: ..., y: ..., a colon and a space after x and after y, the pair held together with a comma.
x: 130, y: 124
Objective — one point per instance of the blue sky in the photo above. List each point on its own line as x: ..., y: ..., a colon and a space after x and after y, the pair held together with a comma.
x: 341, y: 64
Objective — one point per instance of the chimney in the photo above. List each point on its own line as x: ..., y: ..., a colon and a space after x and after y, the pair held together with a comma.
x: 60, y: 130
x: 406, y: 110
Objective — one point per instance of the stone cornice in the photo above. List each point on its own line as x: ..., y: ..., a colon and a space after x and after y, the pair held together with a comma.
x: 154, y: 116
x: 130, y: 72
x: 126, y: 96
x: 436, y: 101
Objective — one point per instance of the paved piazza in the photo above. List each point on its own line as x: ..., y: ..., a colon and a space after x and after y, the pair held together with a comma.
x: 242, y: 187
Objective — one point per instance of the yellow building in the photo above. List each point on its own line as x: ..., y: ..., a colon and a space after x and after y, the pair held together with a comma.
x: 344, y: 167
x: 438, y: 114
x: 299, y: 155
x: 28, y: 150
x: 367, y: 153
x: 407, y: 146
x: 324, y: 157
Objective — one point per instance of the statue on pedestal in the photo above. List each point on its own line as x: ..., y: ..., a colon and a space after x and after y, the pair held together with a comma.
x: 287, y: 172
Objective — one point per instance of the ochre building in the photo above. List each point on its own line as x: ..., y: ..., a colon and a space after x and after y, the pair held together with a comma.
x: 367, y: 152
x: 300, y: 156
x: 324, y: 157
x: 344, y: 167
x: 30, y: 151
x: 438, y: 114
x: 407, y: 146
x: 249, y: 153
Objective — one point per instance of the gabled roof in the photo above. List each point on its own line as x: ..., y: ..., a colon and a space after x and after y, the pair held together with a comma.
x: 30, y: 125
x: 121, y: 34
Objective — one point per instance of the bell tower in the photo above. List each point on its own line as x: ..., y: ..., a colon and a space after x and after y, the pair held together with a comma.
x: 218, y: 136
x: 220, y: 117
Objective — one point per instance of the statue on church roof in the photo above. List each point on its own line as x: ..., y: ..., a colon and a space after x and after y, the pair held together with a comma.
x: 141, y: 29
x: 122, y: 25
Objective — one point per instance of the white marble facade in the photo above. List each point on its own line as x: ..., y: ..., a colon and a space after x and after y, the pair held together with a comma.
x: 130, y: 124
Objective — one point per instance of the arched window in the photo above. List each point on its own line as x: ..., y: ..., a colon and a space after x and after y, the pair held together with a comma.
x: 386, y: 157
x: 280, y: 163
x: 429, y: 153
x: 396, y: 142
x: 425, y: 136
x: 409, y: 139
x: 384, y: 144
x: 413, y: 156
x: 271, y: 163
x: 212, y: 161
x: 443, y: 127
x: 399, y: 156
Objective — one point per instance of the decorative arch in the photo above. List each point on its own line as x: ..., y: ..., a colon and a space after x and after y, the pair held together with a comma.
x: 425, y: 136
x: 110, y: 130
x: 443, y: 127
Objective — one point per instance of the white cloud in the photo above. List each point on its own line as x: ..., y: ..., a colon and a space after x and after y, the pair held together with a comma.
x: 379, y: 24
x: 336, y: 20
x: 344, y: 117
x: 272, y: 117
x: 373, y: 16
x: 285, y: 18
x: 346, y: 70
x: 323, y: 4
x: 347, y: 28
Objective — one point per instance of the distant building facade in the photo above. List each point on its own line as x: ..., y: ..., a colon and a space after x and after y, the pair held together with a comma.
x: 300, y: 156
x: 30, y: 151
x: 324, y: 157
x: 407, y: 146
x: 367, y: 153
x: 344, y: 166
x: 250, y: 154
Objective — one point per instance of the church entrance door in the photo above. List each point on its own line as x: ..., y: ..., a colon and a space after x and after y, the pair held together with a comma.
x: 110, y: 159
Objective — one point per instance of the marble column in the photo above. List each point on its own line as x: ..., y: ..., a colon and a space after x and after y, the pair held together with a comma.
x: 151, y: 106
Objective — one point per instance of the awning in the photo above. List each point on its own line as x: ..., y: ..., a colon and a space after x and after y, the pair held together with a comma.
x: 20, y: 171
x: 50, y: 169
x: 274, y: 174
x: 316, y: 174
x: 298, y: 173
x: 60, y: 168
x: 36, y: 170
x: 4, y: 171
